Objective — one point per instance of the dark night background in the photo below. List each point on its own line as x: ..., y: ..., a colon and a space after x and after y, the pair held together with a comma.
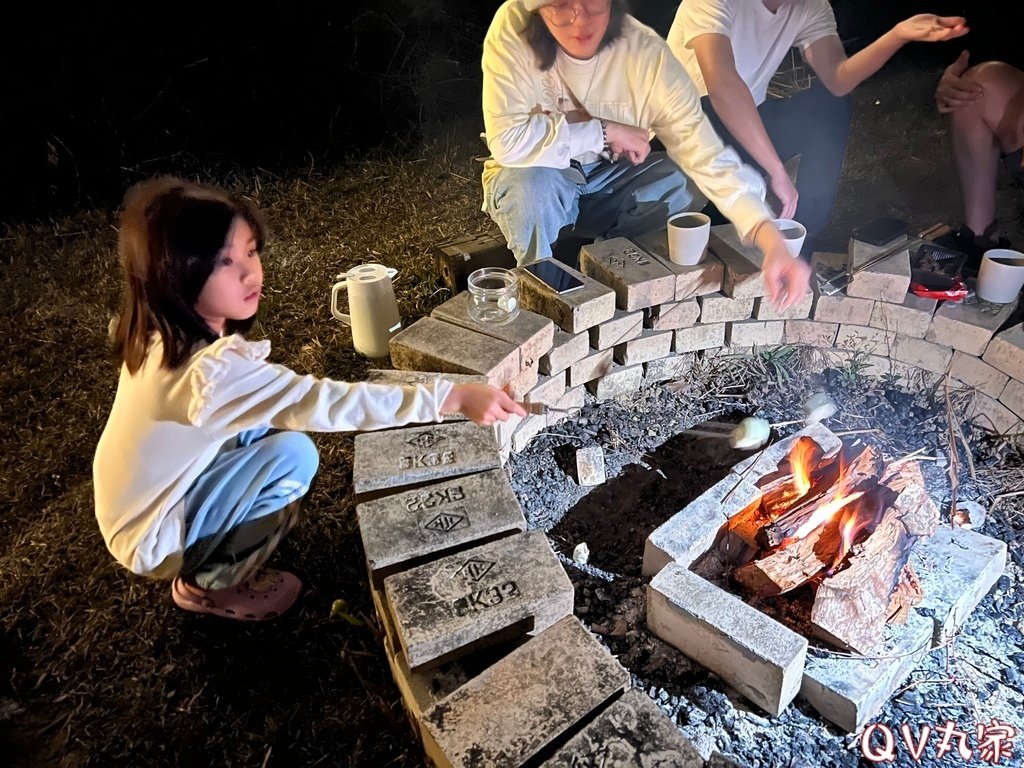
x: 98, y: 96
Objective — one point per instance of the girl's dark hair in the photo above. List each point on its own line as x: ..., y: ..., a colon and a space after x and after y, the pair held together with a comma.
x: 545, y: 46
x: 171, y: 232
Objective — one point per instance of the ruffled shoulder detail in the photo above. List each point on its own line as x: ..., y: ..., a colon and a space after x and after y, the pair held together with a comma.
x: 212, y: 364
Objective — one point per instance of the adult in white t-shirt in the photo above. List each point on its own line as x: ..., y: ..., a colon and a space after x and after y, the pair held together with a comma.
x: 573, y: 91
x: 732, y: 48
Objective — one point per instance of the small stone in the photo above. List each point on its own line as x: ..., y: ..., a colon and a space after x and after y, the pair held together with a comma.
x: 581, y: 553
x: 590, y: 466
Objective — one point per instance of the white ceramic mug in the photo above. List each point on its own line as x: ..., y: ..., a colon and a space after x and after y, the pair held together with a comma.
x: 688, y: 235
x: 1001, y: 276
x: 373, y: 309
x: 793, y: 232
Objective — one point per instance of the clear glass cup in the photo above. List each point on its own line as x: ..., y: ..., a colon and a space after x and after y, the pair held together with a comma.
x: 493, y: 295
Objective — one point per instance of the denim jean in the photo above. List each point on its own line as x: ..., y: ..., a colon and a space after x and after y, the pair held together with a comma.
x: 239, y: 509
x: 815, y: 125
x: 531, y: 206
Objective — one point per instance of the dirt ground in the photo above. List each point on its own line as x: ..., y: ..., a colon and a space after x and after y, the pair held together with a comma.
x: 97, y: 667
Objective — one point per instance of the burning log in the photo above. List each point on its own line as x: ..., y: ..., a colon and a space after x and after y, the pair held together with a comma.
x: 908, y: 593
x: 808, y: 473
x: 792, y: 565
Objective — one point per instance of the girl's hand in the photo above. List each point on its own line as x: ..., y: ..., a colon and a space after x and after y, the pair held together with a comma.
x: 481, y: 403
x: 929, y: 28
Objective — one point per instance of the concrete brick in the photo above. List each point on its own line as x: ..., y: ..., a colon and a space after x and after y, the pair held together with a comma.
x: 699, y: 337
x: 1013, y: 397
x: 689, y: 533
x: 503, y: 433
x: 968, y: 327
x: 533, y: 334
x: 638, y: 280
x: 839, y: 308
x: 617, y: 382
x: 668, y: 317
x: 566, y: 349
x: 572, y: 400
x: 851, y: 691
x: 523, y: 381
x: 763, y: 309
x: 975, y: 373
x: 756, y: 655
x: 911, y: 318
x: 810, y: 332
x: 621, y: 328
x: 414, y: 455
x: 768, y: 459
x: 717, y: 308
x: 743, y: 276
x: 530, y: 427
x: 650, y: 345
x: 1006, y: 352
x: 592, y: 366
x: 572, y: 312
x: 956, y: 567
x: 590, y: 465
x: 889, y: 280
x: 753, y: 333
x: 435, y: 519
x: 547, y: 390
x: 508, y: 713
x: 992, y: 415
x: 632, y: 733
x: 671, y: 367
x: 432, y: 345
x: 503, y: 589
x: 692, y: 281
x: 422, y: 689
x: 861, y: 338
x: 922, y: 354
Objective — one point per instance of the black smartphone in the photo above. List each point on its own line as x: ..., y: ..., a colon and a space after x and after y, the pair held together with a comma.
x: 550, y: 273
x: 882, y: 230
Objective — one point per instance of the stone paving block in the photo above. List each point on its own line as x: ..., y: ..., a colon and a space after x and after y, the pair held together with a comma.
x: 650, y: 345
x: 717, y: 308
x: 621, y: 328
x: 533, y: 334
x: 763, y: 309
x: 547, y: 390
x: 592, y: 366
x: 699, y: 337
x: 590, y: 465
x: 503, y: 433
x: 638, y: 279
x: 572, y: 312
x: 617, y: 382
x: 530, y: 427
x: 523, y: 381
x: 743, y: 277
x: 968, y: 327
x: 421, y: 689
x: 668, y: 317
x: 1006, y: 352
x: 433, y: 519
x: 975, y: 373
x: 992, y: 415
x: 689, y: 533
x: 839, y: 308
x: 754, y: 654
x: 889, y: 280
x: 911, y: 318
x: 753, y: 333
x: 697, y: 280
x: 572, y: 400
x: 921, y: 353
x: 511, y: 711
x: 851, y: 691
x: 632, y: 733
x: 450, y: 606
x: 407, y: 378
x: 668, y: 368
x: 956, y: 567
x: 862, y: 338
x: 410, y: 455
x: 565, y: 350
x: 433, y: 345
x: 768, y: 459
x: 810, y: 332
x: 1013, y: 397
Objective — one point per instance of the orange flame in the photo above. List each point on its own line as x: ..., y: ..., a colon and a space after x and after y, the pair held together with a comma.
x: 824, y: 513
x: 800, y: 460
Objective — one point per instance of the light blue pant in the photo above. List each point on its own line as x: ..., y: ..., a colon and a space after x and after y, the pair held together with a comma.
x: 532, y: 205
x: 244, y: 503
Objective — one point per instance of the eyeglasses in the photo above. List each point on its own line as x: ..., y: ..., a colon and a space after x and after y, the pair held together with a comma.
x: 562, y: 14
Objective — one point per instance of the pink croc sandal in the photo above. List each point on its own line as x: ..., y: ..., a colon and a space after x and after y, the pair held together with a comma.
x: 265, y: 595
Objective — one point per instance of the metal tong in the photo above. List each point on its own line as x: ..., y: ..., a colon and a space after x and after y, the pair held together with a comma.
x: 541, y: 409
x: 838, y: 282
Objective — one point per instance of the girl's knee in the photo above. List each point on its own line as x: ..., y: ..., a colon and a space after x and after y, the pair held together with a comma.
x: 298, y: 449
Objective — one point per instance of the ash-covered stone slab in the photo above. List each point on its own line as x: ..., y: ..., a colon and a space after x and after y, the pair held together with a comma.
x: 743, y: 276
x: 618, y: 381
x: 566, y: 349
x: 921, y: 354
x: 1006, y: 352
x: 433, y: 519
x: 422, y: 689
x: 511, y: 711
x: 532, y: 334
x: 850, y: 690
x: 888, y: 280
x: 632, y: 733
x: 430, y: 344
x: 450, y: 606
x: 573, y: 312
x: 691, y: 281
x: 968, y: 327
x: 409, y: 378
x: 978, y: 374
x: 768, y: 459
x: 638, y: 280
x: 413, y: 455
x: 690, y: 533
x: 909, y: 318
x: 623, y: 327
x: 753, y: 653
x: 956, y: 568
